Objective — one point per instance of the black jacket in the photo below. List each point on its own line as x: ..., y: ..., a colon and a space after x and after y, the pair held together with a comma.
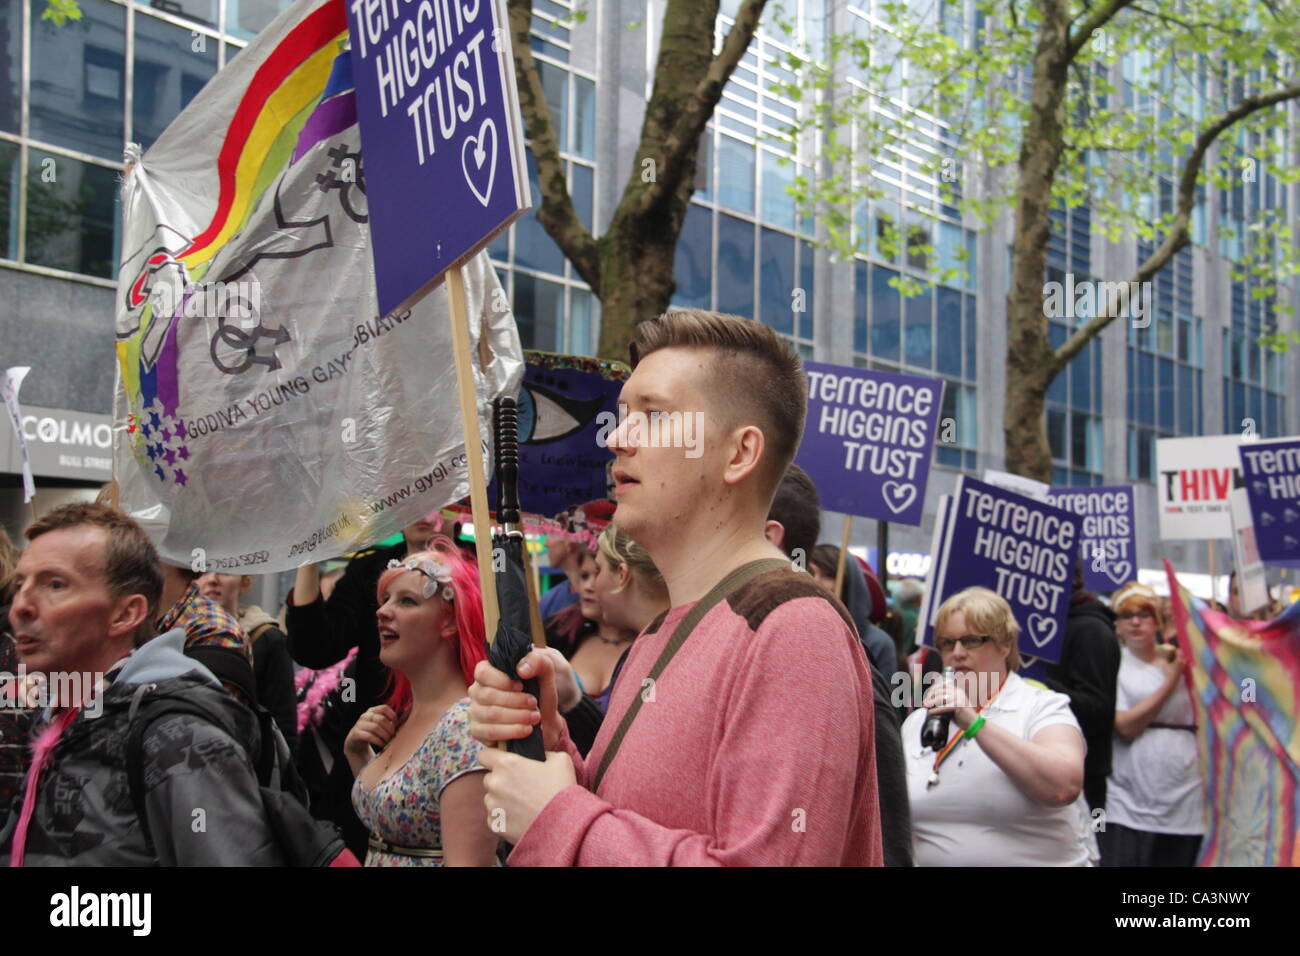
x: 857, y: 600
x: 84, y: 813
x: 1087, y: 672
x: 321, y: 633
x: 15, y: 726
x: 273, y: 673
x: 891, y: 777
x: 891, y: 771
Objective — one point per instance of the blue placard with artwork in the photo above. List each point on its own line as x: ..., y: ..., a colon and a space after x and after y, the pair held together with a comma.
x: 567, y: 406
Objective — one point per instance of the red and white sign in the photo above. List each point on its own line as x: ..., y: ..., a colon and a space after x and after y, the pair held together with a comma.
x: 1194, y: 477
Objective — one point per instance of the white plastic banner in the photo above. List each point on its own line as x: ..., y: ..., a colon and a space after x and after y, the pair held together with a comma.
x: 266, y: 415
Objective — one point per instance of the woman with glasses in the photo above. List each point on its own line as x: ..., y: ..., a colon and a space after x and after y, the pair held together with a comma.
x: 1005, y: 790
x: 1154, y: 805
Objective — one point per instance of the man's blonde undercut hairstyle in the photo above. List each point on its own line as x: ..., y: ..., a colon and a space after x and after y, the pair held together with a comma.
x: 756, y: 377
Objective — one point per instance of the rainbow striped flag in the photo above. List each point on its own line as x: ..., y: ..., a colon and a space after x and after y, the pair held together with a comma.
x: 1244, y: 678
x: 266, y: 414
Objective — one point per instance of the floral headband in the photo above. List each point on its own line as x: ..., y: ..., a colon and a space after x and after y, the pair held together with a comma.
x: 437, y: 575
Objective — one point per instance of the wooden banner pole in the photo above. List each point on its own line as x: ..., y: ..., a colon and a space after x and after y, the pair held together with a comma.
x: 473, y: 450
x: 534, y: 608
x: 844, y: 553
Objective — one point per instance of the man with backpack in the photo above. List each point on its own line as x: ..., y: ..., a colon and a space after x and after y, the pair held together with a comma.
x: 272, y: 665
x: 141, y: 757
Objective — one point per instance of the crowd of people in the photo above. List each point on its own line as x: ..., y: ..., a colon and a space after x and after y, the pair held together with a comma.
x: 717, y: 687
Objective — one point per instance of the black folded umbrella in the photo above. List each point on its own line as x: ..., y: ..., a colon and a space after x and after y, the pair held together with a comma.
x: 513, y: 638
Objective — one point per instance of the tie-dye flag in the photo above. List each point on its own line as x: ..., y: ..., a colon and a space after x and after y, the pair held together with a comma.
x: 266, y: 415
x: 1244, y: 678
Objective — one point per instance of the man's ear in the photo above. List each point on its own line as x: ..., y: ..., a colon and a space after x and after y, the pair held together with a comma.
x: 774, y: 531
x: 746, y: 451
x: 128, y: 614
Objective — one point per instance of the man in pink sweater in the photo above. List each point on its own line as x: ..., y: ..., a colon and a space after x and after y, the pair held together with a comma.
x: 755, y: 745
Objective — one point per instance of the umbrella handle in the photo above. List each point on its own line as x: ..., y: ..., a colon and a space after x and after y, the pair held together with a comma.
x: 533, y: 746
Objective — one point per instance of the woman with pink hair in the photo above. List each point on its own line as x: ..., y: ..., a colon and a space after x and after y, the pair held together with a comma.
x: 421, y: 794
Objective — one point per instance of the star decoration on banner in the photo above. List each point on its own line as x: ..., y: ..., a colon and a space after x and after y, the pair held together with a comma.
x: 167, y: 445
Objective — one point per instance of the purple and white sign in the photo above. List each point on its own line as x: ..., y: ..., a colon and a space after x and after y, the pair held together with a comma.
x: 442, y: 146
x: 868, y: 440
x: 1108, y: 545
x: 1271, y: 472
x: 1021, y: 548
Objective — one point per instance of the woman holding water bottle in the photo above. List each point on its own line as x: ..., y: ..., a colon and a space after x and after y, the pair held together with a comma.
x: 1002, y: 785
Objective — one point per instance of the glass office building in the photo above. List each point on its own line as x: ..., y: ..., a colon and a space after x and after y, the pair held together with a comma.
x: 72, y: 96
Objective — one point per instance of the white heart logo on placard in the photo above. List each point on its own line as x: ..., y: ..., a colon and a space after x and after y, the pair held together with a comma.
x: 484, y: 155
x: 1041, y: 624
x: 898, y: 496
x: 1120, y: 571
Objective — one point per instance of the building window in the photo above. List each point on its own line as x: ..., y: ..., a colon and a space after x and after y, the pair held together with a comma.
x: 79, y: 108
x: 736, y: 174
x: 71, y: 214
x: 246, y: 18
x: 735, y: 266
x: 169, y: 72
x: 8, y: 200
x: 692, y: 260
x: 539, y: 311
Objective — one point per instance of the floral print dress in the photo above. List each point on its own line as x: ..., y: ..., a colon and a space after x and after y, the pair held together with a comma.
x: 402, y: 809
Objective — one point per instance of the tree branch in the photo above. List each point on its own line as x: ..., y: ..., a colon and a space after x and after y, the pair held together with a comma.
x: 1178, y: 235
x: 556, y: 214
x: 689, y: 126
x: 1098, y: 17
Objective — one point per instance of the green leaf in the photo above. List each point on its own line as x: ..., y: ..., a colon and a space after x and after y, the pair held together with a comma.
x: 61, y: 11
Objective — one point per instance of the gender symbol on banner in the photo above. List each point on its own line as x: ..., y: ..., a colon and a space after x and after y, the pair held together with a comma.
x: 353, y: 177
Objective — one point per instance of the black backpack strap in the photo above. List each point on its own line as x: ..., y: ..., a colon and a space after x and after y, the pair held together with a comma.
x: 156, y: 709
x: 229, y: 666
x: 720, y: 592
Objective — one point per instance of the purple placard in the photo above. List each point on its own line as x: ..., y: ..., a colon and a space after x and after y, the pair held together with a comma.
x: 868, y: 440
x: 563, y: 403
x: 441, y: 140
x: 1271, y: 472
x: 1108, y: 535
x: 1021, y: 548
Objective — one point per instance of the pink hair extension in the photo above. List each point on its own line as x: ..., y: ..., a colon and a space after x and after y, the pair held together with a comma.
x: 41, y: 747
x: 320, y: 684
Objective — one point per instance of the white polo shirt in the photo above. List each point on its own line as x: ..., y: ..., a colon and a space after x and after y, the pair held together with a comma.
x: 976, y: 815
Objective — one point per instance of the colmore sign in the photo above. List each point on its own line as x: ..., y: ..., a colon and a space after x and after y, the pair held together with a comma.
x: 62, y: 444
